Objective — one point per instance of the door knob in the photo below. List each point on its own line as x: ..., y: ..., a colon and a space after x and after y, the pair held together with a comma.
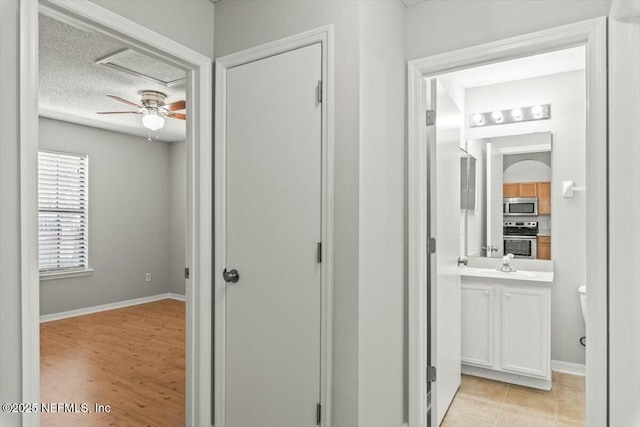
x: 231, y: 276
x: 463, y: 260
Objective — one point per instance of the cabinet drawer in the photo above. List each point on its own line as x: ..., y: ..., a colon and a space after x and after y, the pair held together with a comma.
x: 545, y: 240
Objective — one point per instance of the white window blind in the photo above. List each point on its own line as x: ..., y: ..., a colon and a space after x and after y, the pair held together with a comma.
x: 63, y: 211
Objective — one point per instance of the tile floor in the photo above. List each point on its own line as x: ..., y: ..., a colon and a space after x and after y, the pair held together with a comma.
x: 482, y: 403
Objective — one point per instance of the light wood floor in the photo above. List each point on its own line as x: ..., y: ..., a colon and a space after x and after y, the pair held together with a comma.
x: 132, y: 359
x: 482, y: 403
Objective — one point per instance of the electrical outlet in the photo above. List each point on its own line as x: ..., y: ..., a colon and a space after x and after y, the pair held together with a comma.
x: 147, y: 277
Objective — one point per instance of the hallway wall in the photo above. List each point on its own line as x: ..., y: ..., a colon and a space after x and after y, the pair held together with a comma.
x: 241, y: 24
x: 438, y: 26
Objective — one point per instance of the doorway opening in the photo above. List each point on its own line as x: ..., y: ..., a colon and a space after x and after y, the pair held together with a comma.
x: 111, y: 203
x: 506, y: 163
x: 515, y: 334
x: 88, y: 185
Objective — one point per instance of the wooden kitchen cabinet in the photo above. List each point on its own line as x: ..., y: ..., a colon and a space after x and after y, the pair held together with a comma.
x: 544, y: 247
x: 541, y: 190
x: 510, y: 190
x: 528, y: 189
x: 520, y: 189
x: 544, y: 198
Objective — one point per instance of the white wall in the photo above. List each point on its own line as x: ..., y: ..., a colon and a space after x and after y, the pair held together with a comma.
x: 437, y: 26
x: 566, y: 94
x: 128, y: 217
x: 189, y: 22
x: 241, y: 24
x: 382, y: 214
x: 177, y: 217
x: 197, y: 37
x: 527, y: 171
x: 369, y: 203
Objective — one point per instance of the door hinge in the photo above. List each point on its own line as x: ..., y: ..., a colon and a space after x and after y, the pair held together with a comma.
x: 431, y: 117
x: 186, y: 272
x: 319, y: 94
x: 319, y: 254
x: 318, y: 414
x: 431, y: 245
x: 431, y: 374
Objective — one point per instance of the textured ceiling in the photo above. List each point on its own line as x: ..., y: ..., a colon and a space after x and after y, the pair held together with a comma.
x: 73, y: 87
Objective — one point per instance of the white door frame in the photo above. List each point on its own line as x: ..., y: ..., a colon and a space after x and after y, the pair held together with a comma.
x: 323, y: 35
x: 593, y: 35
x: 199, y: 190
x: 624, y: 179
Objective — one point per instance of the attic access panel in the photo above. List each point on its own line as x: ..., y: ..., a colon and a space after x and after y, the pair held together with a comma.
x: 131, y: 62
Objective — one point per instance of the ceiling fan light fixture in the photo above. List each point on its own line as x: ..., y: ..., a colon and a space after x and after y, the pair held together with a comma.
x: 152, y: 120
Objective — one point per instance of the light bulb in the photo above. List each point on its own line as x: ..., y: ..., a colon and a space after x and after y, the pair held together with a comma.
x: 536, y: 110
x: 497, y: 116
x: 516, y: 113
x: 478, y: 119
x: 152, y: 120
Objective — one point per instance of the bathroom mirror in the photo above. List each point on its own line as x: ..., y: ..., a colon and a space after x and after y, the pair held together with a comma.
x: 505, y: 196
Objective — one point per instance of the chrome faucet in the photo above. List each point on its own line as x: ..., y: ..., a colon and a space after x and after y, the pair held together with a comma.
x: 506, y: 267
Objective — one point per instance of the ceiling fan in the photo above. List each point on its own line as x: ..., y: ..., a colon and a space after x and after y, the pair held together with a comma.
x: 153, y: 109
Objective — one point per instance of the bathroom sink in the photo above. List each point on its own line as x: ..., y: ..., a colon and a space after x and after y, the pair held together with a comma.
x: 513, y: 275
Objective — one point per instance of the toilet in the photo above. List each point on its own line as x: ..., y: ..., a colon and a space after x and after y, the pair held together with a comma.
x: 583, y: 302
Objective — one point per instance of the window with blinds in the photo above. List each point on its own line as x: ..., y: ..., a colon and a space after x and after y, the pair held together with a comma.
x: 62, y: 211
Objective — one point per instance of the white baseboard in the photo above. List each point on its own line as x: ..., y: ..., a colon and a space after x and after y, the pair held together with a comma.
x: 178, y: 297
x: 507, y: 377
x: 568, y: 368
x: 111, y: 306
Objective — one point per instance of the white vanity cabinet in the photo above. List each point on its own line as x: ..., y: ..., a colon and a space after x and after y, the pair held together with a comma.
x: 506, y: 332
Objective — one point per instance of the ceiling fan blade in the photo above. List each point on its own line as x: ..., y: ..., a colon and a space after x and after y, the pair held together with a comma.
x: 117, y: 98
x: 119, y: 112
x: 177, y: 116
x: 176, y: 106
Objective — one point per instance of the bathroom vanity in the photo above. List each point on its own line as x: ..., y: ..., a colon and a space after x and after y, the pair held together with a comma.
x: 506, y: 325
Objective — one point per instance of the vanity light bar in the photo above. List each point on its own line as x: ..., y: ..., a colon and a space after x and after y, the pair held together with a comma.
x: 514, y: 115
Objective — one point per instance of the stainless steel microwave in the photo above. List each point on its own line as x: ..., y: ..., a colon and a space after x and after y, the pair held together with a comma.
x: 520, y: 206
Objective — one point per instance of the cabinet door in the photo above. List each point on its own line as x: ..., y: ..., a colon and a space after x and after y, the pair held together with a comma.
x: 544, y: 198
x: 528, y: 189
x: 510, y: 190
x: 525, y: 331
x: 477, y: 324
x: 544, y: 247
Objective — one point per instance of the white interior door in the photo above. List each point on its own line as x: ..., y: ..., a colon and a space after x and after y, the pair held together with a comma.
x: 445, y: 205
x: 273, y: 227
x: 494, y: 198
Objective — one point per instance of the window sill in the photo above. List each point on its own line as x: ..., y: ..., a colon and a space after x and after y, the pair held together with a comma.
x: 65, y: 274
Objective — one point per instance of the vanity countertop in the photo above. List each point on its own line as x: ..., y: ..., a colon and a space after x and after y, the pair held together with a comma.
x: 542, y: 277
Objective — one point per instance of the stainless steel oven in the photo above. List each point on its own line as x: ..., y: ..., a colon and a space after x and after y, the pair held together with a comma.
x: 521, y: 247
x: 520, y: 206
x: 520, y: 238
